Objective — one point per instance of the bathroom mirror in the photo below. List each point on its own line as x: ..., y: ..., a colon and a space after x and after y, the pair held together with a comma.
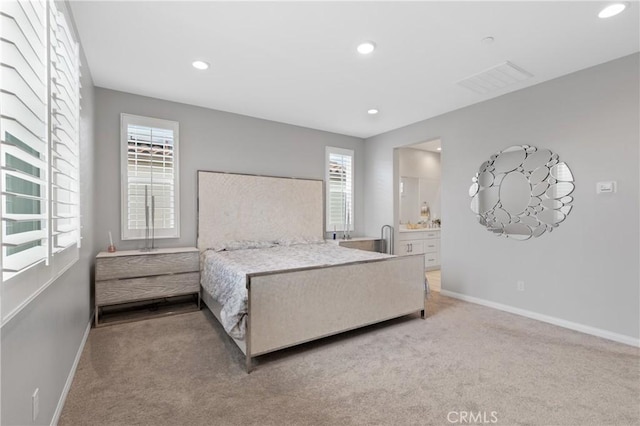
x: 522, y: 192
x: 414, y: 193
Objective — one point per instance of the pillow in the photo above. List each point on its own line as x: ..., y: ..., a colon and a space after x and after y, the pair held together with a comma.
x: 299, y: 240
x: 242, y: 245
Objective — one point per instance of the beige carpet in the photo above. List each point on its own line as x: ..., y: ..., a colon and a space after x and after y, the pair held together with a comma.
x: 183, y: 370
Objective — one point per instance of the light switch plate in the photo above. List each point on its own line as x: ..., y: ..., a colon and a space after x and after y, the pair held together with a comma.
x: 608, y: 187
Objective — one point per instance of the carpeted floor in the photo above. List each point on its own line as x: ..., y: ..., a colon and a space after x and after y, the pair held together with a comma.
x: 465, y: 364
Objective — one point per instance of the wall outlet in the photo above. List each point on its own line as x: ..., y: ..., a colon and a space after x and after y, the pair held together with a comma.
x: 35, y: 403
x: 520, y: 285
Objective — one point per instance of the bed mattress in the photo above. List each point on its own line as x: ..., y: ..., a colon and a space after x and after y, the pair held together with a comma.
x: 224, y: 273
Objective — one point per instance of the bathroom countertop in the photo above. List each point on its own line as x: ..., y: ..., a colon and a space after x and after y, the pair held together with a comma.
x: 419, y: 229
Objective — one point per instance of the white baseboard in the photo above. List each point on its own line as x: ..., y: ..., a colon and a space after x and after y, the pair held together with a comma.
x: 72, y: 373
x: 620, y: 338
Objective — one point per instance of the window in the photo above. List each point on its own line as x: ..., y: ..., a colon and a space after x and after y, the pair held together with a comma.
x: 150, y: 199
x: 339, y: 186
x: 39, y: 146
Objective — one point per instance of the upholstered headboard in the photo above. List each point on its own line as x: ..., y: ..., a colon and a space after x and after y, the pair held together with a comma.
x: 235, y: 207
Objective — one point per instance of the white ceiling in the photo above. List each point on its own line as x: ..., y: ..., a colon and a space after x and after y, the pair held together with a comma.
x: 295, y: 62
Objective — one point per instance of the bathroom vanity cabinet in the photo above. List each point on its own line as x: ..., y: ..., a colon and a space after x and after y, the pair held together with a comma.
x: 421, y: 241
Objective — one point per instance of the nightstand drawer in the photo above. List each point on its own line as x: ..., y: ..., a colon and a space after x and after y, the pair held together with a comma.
x: 134, y: 289
x: 111, y: 268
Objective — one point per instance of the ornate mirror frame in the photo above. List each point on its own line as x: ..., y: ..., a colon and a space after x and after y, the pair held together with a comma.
x: 522, y: 192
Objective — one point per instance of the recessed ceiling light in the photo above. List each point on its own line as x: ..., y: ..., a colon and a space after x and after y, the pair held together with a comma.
x: 372, y: 111
x: 366, y: 47
x: 439, y: 149
x: 612, y: 10
x: 201, y: 65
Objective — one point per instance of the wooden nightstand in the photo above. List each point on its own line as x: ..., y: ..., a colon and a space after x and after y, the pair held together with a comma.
x: 135, y: 276
x: 361, y: 243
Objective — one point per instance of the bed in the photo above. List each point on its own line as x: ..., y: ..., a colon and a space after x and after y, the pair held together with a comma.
x: 263, y: 256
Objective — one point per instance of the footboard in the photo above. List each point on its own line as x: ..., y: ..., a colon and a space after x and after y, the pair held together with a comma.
x: 290, y: 307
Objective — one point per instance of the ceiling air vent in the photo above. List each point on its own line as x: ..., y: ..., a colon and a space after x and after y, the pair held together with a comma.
x: 494, y: 78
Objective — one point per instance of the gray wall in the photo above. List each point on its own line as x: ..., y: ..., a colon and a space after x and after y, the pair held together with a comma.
x: 39, y: 345
x: 209, y: 140
x: 586, y: 271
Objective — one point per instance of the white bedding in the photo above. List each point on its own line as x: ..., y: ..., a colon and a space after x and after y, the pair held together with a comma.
x: 224, y: 272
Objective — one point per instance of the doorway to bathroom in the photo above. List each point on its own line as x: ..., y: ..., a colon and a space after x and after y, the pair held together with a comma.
x: 417, y: 214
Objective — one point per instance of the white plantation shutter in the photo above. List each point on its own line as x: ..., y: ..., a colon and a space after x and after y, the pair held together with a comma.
x: 24, y: 142
x: 150, y: 181
x: 65, y: 144
x: 39, y: 148
x: 339, y: 186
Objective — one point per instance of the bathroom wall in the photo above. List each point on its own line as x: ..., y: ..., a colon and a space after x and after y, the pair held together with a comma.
x: 420, y: 177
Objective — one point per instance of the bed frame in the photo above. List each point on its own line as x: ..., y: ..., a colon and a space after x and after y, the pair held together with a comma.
x: 290, y: 307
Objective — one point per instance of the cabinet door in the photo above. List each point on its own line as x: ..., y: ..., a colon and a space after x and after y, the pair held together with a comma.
x: 411, y: 247
x: 403, y: 248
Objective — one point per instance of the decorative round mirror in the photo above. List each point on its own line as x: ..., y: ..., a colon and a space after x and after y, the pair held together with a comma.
x: 522, y: 192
